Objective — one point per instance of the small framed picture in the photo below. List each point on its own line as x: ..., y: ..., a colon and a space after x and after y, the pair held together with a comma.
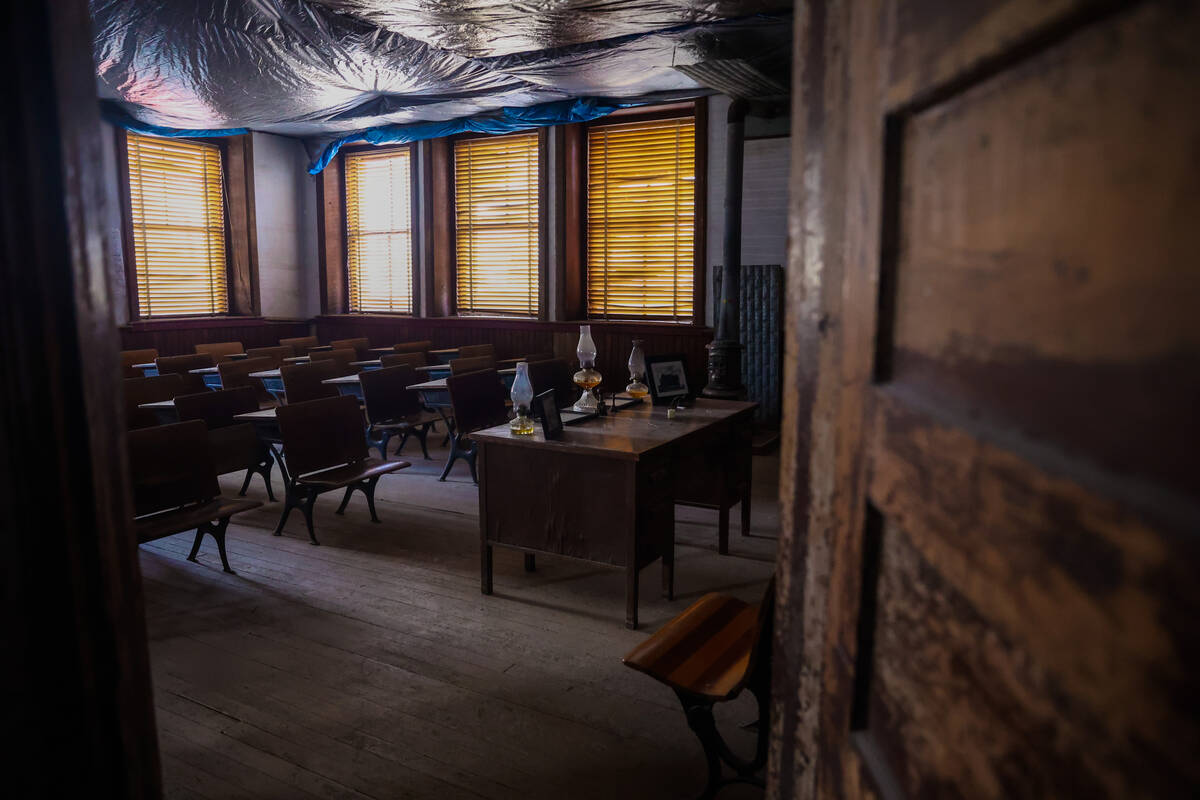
x: 546, y: 407
x: 667, y: 376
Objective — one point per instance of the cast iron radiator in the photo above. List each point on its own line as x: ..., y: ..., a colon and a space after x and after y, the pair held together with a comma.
x: 761, y: 310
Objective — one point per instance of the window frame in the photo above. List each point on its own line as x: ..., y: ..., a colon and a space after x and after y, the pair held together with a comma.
x: 241, y: 237
x: 543, y: 249
x: 416, y: 239
x: 574, y: 175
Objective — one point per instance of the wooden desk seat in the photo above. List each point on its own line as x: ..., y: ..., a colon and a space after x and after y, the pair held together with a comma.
x: 139, y: 391
x: 478, y: 400
x: 175, y: 486
x: 305, y: 382
x: 183, y: 366
x: 709, y: 654
x: 233, y: 445
x: 326, y: 450
x: 237, y: 374
x: 395, y: 410
x: 300, y: 345
x: 131, y: 357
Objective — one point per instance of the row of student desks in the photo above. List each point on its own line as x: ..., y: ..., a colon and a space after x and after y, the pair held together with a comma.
x: 605, y: 492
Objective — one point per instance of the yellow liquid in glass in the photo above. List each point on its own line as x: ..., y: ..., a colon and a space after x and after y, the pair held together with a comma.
x: 637, y: 393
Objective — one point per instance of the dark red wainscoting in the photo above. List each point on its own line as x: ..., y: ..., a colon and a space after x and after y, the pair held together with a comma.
x: 180, y: 336
x: 516, y: 338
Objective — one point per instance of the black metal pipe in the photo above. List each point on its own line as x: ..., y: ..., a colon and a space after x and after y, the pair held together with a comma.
x: 735, y: 148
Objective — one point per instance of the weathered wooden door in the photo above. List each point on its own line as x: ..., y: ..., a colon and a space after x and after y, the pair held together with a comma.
x: 991, y: 587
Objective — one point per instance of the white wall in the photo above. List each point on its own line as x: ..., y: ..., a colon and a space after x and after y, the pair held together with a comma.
x: 764, y: 197
x: 285, y: 210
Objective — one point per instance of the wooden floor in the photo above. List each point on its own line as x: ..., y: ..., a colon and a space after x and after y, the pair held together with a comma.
x: 372, y: 666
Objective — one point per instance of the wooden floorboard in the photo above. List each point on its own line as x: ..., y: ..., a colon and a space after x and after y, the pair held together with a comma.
x: 372, y: 667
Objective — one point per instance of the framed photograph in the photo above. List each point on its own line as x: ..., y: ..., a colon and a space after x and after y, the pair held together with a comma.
x: 546, y: 406
x: 667, y: 376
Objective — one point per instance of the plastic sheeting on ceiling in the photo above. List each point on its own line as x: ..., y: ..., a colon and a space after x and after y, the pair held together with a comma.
x: 328, y: 70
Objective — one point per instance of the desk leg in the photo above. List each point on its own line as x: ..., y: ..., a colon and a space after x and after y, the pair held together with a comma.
x: 631, y: 597
x: 668, y: 570
x: 485, y: 569
x: 277, y: 451
x: 723, y: 530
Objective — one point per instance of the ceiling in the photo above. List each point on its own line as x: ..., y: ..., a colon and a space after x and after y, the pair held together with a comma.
x: 323, y: 69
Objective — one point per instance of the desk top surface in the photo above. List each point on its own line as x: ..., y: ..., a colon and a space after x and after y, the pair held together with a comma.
x: 204, y: 371
x: 440, y: 383
x: 342, y: 379
x: 297, y: 360
x: 267, y: 373
x: 629, y: 433
x: 257, y: 416
x: 157, y: 404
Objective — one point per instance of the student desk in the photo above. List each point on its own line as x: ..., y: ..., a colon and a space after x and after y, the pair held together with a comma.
x: 606, y: 491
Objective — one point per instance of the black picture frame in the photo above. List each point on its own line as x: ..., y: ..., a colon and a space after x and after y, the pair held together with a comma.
x: 547, y: 407
x: 666, y: 376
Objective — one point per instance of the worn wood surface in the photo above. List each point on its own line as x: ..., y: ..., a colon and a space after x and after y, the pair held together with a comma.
x: 372, y: 667
x: 78, y: 719
x: 991, y: 563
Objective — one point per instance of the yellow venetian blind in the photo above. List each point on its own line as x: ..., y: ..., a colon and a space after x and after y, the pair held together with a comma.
x: 641, y: 219
x: 496, y: 224
x: 379, y: 235
x: 177, y: 208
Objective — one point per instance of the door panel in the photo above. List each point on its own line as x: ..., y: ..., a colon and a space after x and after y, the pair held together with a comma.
x: 1000, y: 533
x: 1046, y: 224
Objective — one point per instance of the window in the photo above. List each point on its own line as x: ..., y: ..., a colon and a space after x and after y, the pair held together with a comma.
x: 177, y: 221
x: 497, y: 224
x: 641, y: 179
x: 379, y: 230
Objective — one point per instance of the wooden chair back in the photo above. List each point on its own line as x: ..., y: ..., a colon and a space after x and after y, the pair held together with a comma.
x: 360, y: 346
x: 232, y: 444
x: 299, y: 345
x: 340, y: 357
x: 217, y: 409
x: 460, y: 365
x: 319, y: 434
x: 170, y: 467
x: 477, y: 399
x: 131, y: 357
x: 236, y: 375
x: 402, y: 360
x: 386, y: 393
x: 553, y: 373
x: 182, y: 365
x: 276, y: 354
x: 302, y: 382
x: 477, y: 350
x: 414, y: 347
x: 220, y: 351
x: 148, y: 390
x: 532, y: 357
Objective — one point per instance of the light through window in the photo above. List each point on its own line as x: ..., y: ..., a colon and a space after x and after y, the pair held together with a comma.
x: 496, y: 224
x: 379, y: 230
x: 177, y: 211
x: 641, y: 219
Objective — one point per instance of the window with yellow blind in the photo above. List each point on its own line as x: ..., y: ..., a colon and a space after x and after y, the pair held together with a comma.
x: 177, y: 216
x: 497, y: 224
x: 641, y: 215
x: 379, y: 230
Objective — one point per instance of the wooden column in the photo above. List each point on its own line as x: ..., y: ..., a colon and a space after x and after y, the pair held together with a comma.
x: 77, y: 711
